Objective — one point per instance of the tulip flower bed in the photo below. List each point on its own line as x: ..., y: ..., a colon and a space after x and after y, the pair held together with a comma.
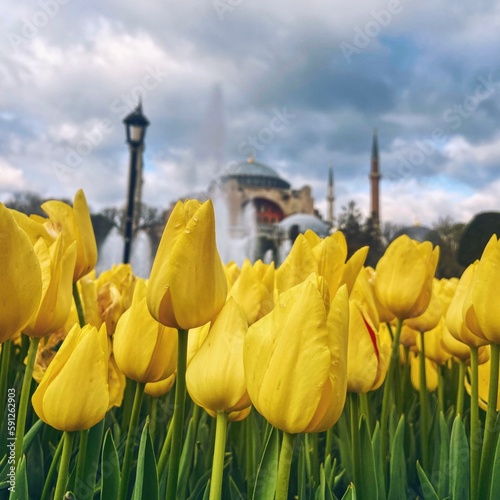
x: 319, y: 379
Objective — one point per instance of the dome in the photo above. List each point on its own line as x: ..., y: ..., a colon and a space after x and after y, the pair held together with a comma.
x: 253, y: 174
x: 304, y: 222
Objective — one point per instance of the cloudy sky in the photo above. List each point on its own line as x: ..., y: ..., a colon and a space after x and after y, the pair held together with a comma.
x: 300, y: 84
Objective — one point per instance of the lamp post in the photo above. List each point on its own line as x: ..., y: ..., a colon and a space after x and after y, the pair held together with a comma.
x: 135, y: 125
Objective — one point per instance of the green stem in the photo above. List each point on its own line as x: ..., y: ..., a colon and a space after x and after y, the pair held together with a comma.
x: 153, y: 417
x: 329, y: 441
x: 491, y: 430
x: 424, y: 406
x: 4, y: 370
x: 475, y: 425
x: 167, y: 444
x: 25, y: 394
x: 47, y: 487
x: 80, y: 463
x: 219, y: 453
x: 440, y: 388
x: 130, y: 443
x: 356, y: 447
x: 386, y: 398
x: 284, y: 466
x: 79, y: 305
x: 62, y: 478
x: 180, y: 401
x: 365, y: 409
x: 461, y: 388
x: 405, y: 380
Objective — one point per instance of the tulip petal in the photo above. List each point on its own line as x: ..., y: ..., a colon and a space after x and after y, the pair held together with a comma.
x: 20, y: 277
x: 286, y: 371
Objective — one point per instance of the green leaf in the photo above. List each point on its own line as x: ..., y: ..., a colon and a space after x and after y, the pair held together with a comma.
x: 35, y: 465
x: 110, y: 469
x: 379, y: 463
x: 234, y: 490
x: 495, y: 477
x: 267, y: 472
x: 186, y: 461
x: 459, y: 461
x: 369, y: 486
x: 444, y: 451
x: 20, y: 491
x: 350, y: 493
x: 428, y: 491
x: 201, y: 485
x: 146, y: 478
x: 397, y: 471
x: 323, y: 492
x: 31, y: 434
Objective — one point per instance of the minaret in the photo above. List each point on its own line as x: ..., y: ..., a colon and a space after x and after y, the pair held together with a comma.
x: 374, y: 182
x: 330, y: 197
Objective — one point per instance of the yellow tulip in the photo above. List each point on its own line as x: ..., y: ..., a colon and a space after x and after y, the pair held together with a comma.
x: 458, y: 306
x: 385, y: 316
x: 117, y: 383
x: 404, y: 276
x: 367, y: 357
x: 484, y: 385
x: 106, y: 298
x: 408, y: 337
x: 215, y: 378
x: 297, y: 266
x: 460, y: 350
x: 232, y: 271
x: 144, y: 350
x: 433, y: 340
x: 187, y: 287
x: 234, y: 416
x: 76, y: 225
x: 431, y: 316
x: 57, y: 264
x: 34, y: 227
x: 20, y: 277
x: 331, y: 254
x: 295, y: 358
x: 254, y: 289
x: 73, y: 394
x: 486, y: 291
x: 160, y: 388
x: 431, y: 372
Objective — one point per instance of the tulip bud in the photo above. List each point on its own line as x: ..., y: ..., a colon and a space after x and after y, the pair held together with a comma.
x: 73, y: 394
x: 187, y: 286
x: 215, y: 377
x: 75, y: 225
x: 145, y: 350
x: 404, y: 276
x: 295, y: 359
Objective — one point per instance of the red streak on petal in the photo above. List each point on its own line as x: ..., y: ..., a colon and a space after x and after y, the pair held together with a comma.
x: 372, y: 336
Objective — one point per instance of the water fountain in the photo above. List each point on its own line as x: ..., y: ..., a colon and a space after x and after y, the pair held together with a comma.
x: 235, y: 243
x: 111, y: 252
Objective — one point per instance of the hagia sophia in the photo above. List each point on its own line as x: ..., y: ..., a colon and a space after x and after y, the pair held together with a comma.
x: 281, y: 211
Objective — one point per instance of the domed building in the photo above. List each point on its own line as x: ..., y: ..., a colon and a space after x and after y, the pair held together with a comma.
x: 252, y: 187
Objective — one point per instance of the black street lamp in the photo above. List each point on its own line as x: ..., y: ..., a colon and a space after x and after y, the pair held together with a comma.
x: 135, y: 125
